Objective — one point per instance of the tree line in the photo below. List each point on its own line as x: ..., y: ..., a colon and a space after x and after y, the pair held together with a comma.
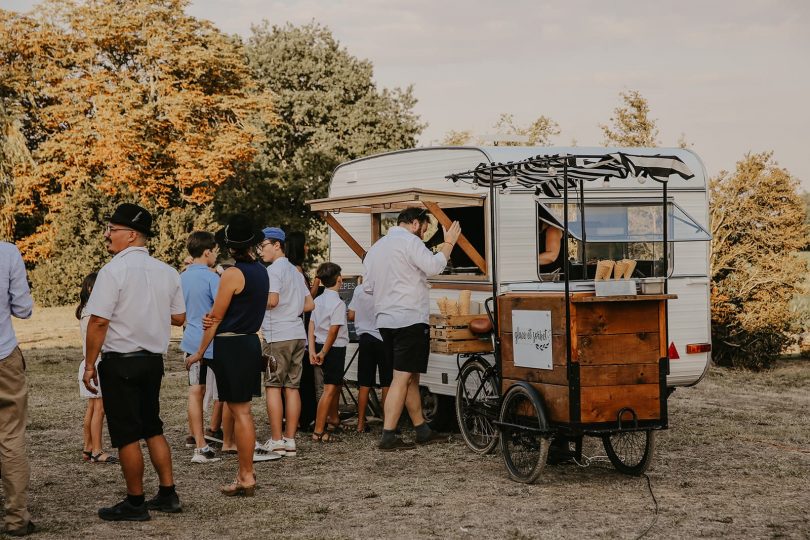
x: 100, y: 105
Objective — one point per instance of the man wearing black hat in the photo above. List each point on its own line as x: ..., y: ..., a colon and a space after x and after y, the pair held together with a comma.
x: 134, y: 301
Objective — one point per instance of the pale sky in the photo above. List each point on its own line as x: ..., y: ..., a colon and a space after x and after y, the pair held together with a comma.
x: 733, y: 76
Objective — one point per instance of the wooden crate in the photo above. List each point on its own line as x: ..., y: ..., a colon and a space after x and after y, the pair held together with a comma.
x: 450, y: 334
x: 616, y: 344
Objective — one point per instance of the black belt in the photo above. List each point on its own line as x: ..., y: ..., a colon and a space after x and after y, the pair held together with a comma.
x: 136, y: 354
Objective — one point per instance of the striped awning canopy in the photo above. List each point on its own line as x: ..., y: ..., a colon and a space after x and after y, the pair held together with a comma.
x: 546, y: 173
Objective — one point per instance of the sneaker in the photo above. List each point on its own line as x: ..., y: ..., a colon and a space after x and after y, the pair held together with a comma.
x: 289, y: 447
x: 204, y: 455
x: 213, y: 436
x: 191, y: 442
x: 432, y: 438
x: 275, y: 446
x: 165, y: 503
x: 395, y: 444
x: 262, y: 454
x: 124, y: 511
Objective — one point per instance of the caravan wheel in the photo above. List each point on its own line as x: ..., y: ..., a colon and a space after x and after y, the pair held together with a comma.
x: 439, y: 411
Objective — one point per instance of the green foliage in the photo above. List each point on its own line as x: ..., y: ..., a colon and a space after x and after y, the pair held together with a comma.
x: 630, y: 124
x: 79, y: 241
x: 758, y: 227
x: 329, y: 111
x: 538, y: 133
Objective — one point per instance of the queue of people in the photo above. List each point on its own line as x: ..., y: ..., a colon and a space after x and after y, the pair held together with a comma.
x: 127, y: 308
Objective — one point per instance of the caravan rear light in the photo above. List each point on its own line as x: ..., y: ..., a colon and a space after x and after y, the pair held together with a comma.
x: 673, y: 352
x: 694, y: 348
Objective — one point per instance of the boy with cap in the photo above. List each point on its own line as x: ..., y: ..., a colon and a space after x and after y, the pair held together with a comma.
x: 133, y: 303
x: 199, y: 290
x: 284, y: 336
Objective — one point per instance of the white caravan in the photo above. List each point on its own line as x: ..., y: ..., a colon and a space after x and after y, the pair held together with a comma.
x: 365, y: 196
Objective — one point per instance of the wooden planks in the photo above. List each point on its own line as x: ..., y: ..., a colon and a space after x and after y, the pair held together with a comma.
x: 617, y: 318
x: 462, y: 346
x: 557, y: 375
x: 618, y: 375
x: 450, y: 334
x: 532, y: 301
x: 638, y: 348
x: 603, y: 403
x: 555, y: 399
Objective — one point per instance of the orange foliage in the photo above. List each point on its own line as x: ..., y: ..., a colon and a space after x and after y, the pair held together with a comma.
x: 133, y: 98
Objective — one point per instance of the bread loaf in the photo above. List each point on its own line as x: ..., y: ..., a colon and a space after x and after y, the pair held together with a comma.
x: 464, y: 302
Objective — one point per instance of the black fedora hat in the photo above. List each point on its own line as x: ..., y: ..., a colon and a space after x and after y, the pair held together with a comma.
x: 132, y: 216
x: 240, y: 232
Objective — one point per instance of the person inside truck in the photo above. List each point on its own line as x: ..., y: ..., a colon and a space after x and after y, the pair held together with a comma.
x: 550, y: 241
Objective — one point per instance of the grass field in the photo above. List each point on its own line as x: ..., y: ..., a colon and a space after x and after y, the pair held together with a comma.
x: 734, y: 463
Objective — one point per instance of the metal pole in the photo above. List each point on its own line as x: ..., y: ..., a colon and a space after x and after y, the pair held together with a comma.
x: 584, y: 235
x: 494, y: 264
x: 566, y: 266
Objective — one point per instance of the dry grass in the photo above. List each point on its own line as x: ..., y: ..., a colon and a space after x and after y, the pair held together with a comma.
x: 735, y: 463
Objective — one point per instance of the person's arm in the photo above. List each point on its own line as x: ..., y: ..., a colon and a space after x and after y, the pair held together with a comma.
x: 231, y: 283
x: 433, y: 263
x: 313, y: 289
x: 20, y: 301
x: 330, y: 340
x: 178, y: 304
x: 179, y: 319
x: 313, y: 358
x: 272, y: 300
x: 350, y: 315
x: 552, y: 247
x: 309, y: 303
x: 96, y: 333
x: 450, y: 239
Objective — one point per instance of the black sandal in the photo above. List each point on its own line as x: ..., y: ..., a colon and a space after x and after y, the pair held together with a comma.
x: 334, y: 428
x: 87, y: 455
x: 109, y: 459
x: 325, y: 437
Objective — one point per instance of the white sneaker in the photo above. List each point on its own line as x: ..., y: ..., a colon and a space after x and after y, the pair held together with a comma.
x: 260, y: 453
x: 275, y: 446
x: 289, y: 447
x: 204, y: 455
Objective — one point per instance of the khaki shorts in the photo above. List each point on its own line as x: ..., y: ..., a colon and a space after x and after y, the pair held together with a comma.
x: 289, y: 357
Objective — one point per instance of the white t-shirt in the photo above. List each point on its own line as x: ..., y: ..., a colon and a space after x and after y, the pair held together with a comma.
x: 330, y: 311
x: 397, y: 268
x: 138, y: 295
x: 284, y: 322
x: 363, y: 306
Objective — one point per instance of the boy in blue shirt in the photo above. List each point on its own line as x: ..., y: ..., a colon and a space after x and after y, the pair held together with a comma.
x: 200, y: 284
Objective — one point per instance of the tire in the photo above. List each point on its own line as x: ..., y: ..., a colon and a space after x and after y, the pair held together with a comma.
x: 477, y: 407
x: 630, y: 452
x: 438, y: 410
x: 524, y: 451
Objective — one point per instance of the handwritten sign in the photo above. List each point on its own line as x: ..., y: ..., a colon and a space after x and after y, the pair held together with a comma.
x: 531, y: 339
x: 346, y: 291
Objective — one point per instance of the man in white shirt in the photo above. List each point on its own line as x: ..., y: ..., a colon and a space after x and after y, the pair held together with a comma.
x: 134, y: 302
x: 284, y: 336
x: 397, y: 268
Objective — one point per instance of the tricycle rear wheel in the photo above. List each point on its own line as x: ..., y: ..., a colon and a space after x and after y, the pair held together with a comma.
x: 523, y: 444
x: 630, y: 451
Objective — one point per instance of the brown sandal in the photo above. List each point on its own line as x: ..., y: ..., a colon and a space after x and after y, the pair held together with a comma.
x: 325, y: 437
x: 238, y: 490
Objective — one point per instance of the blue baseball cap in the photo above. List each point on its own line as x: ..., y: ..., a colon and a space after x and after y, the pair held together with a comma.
x: 274, y: 233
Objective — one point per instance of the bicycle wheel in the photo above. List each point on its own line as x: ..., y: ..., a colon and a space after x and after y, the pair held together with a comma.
x: 477, y: 406
x: 630, y: 452
x: 524, y: 448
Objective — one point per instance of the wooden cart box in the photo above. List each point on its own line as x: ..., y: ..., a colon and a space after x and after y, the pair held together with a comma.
x: 450, y: 334
x: 617, y: 344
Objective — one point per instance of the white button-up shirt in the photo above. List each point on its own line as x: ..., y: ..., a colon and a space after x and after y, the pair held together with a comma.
x: 397, y: 268
x: 363, y: 306
x: 330, y: 310
x: 284, y: 322
x: 138, y: 295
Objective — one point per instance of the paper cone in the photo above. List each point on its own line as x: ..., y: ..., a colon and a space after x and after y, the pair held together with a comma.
x: 618, y: 269
x: 631, y: 266
x: 464, y: 302
x: 603, y: 270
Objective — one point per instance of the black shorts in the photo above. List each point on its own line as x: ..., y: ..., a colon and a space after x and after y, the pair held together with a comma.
x: 333, y: 364
x: 408, y: 348
x: 130, y: 390
x: 371, y: 357
x: 237, y: 367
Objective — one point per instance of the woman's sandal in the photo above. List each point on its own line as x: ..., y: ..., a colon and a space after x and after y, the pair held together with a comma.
x: 325, y: 437
x: 238, y: 490
x: 334, y: 428
x: 87, y: 455
x: 107, y: 459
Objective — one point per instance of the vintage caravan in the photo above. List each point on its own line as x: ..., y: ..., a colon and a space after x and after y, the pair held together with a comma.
x: 366, y: 194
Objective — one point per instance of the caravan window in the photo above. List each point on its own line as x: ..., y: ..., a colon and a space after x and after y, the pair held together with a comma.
x: 621, y: 230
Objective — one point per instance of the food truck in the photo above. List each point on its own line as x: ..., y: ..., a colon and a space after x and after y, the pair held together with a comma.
x: 607, y: 217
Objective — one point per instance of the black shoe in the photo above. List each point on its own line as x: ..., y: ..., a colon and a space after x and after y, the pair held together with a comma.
x: 25, y: 530
x: 165, y: 503
x: 124, y: 511
x: 395, y: 444
x: 432, y: 438
x: 213, y: 436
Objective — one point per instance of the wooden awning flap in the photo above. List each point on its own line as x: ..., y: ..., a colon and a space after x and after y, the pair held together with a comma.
x: 394, y: 201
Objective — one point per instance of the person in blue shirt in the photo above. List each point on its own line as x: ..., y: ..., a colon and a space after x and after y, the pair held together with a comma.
x: 200, y: 284
x: 15, y: 301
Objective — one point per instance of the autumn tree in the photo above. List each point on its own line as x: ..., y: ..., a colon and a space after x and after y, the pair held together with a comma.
x: 14, y: 155
x: 457, y: 138
x: 758, y: 226
x: 137, y: 100
x: 630, y: 124
x: 329, y: 111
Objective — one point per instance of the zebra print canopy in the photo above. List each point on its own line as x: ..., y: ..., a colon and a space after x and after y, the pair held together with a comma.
x: 546, y: 173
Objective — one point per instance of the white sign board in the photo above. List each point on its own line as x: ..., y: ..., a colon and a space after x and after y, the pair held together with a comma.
x: 531, y: 339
